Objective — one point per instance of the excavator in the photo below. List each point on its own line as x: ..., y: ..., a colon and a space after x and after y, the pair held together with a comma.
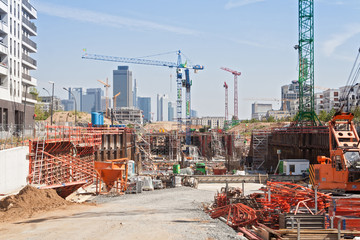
x: 341, y: 171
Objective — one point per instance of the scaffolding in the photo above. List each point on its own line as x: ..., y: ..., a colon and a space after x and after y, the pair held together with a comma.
x: 259, y: 147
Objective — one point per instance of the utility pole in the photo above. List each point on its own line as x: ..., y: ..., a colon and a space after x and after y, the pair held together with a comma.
x: 52, y: 102
x: 226, y: 101
x: 74, y: 100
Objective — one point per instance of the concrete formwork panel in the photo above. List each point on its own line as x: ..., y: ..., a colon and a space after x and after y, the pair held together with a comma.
x: 14, y: 169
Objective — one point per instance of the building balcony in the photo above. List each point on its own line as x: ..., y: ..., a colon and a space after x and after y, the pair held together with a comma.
x: 30, y: 26
x: 3, y: 50
x: 29, y: 8
x: 29, y: 44
x: 28, y: 61
x: 4, y: 29
x: 29, y: 80
x: 3, y: 69
x: 28, y: 97
x: 3, y: 6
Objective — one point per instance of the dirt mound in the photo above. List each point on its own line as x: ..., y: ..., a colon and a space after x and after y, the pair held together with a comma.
x: 28, y: 201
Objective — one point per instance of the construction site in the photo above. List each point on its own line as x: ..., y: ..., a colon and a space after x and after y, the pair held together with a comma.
x: 108, y: 175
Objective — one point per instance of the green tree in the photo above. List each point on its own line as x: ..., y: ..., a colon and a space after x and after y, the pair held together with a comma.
x: 323, y: 115
x: 271, y: 119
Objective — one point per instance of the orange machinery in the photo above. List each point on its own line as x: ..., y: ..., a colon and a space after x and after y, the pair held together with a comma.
x: 341, y: 171
x: 113, y: 173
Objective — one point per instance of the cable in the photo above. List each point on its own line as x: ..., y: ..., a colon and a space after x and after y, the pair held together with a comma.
x: 158, y: 54
x: 351, y: 82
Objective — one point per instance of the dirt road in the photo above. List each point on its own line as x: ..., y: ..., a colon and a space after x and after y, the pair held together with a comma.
x: 162, y: 214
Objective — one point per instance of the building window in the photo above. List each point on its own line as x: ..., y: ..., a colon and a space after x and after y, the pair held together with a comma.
x: 336, y: 94
x: 18, y: 50
x: 10, y: 24
x: 10, y: 46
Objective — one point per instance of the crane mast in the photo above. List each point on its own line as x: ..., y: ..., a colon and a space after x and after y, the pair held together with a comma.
x: 236, y: 74
x: 226, y: 101
x: 305, y: 47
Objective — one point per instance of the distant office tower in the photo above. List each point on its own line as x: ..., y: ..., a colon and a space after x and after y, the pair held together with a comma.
x: 160, y: 107
x: 17, y: 46
x: 122, y: 82
x: 103, y: 103
x: 170, y: 111
x: 69, y: 105
x: 144, y: 104
x: 78, y: 93
x: 92, y: 100
x: 193, y: 114
x: 135, y: 95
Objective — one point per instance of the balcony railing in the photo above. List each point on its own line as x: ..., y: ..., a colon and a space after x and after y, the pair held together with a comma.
x: 28, y: 23
x: 29, y: 42
x: 26, y: 77
x: 5, y: 1
x: 28, y: 96
x: 29, y: 59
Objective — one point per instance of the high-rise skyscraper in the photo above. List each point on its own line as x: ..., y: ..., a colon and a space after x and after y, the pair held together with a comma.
x: 16, y: 33
x: 170, y: 111
x: 135, y: 95
x: 144, y: 104
x: 122, y: 82
x: 92, y: 100
x: 78, y: 93
x: 160, y: 108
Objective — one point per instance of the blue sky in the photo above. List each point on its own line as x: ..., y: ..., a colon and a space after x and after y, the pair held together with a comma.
x: 255, y: 37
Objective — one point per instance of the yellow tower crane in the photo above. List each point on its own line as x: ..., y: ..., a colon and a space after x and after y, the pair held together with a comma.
x: 114, y: 100
x: 106, y: 86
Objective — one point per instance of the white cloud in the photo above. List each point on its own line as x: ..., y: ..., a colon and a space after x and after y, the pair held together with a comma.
x: 107, y: 19
x: 339, y: 39
x: 234, y: 4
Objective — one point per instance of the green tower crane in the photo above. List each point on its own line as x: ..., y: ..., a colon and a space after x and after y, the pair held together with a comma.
x: 306, y: 115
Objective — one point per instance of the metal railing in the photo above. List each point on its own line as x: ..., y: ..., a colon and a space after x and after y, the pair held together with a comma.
x: 28, y: 41
x: 26, y: 77
x: 29, y: 59
x: 28, y: 5
x: 28, y: 96
x: 15, y: 135
x: 28, y: 23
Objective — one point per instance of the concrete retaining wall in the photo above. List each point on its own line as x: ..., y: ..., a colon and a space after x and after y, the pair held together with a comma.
x: 14, y: 168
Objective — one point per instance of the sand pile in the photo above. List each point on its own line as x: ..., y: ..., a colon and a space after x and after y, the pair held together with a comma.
x: 28, y: 201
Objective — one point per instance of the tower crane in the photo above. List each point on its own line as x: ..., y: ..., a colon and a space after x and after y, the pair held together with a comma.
x: 226, y: 101
x: 106, y: 86
x: 179, y: 81
x: 236, y: 74
x: 114, y: 100
x: 305, y: 47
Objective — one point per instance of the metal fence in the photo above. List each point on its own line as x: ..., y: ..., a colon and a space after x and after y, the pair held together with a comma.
x: 14, y: 135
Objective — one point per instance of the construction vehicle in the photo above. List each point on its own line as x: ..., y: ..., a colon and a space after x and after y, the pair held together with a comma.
x: 200, y: 169
x: 341, y: 171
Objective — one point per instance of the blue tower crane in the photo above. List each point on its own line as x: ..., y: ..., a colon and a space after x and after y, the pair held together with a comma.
x: 180, y: 82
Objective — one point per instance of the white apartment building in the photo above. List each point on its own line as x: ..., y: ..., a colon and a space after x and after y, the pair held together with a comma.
x: 212, y: 122
x: 350, y: 97
x: 319, y: 102
x: 331, y: 99
x: 16, y: 29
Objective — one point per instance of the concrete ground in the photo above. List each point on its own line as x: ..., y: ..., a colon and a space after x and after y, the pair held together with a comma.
x: 162, y: 214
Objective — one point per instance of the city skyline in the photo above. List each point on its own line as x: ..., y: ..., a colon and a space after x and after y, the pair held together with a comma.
x: 230, y: 39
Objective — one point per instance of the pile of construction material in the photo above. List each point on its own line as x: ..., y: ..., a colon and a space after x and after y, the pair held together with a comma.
x: 29, y: 201
x: 282, y: 206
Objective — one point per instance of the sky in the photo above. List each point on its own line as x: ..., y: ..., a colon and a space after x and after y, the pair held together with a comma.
x: 254, y: 37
